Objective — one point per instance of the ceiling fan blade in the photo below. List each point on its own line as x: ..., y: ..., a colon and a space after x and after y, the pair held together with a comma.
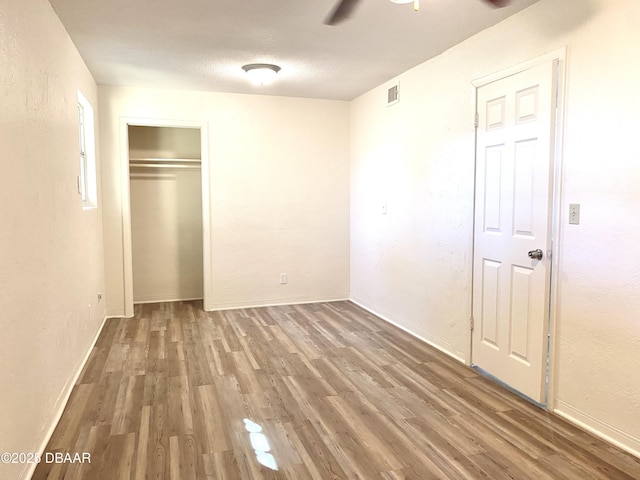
x: 341, y: 11
x: 499, y: 3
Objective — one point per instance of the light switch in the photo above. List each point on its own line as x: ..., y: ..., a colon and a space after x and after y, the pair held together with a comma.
x: 574, y: 213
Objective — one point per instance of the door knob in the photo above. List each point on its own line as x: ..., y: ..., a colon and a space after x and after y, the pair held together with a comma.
x: 535, y: 254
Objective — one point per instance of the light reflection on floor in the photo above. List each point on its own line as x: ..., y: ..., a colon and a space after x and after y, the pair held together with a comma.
x: 260, y: 444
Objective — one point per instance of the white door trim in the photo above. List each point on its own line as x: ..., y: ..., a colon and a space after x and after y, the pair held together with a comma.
x: 127, y: 259
x: 560, y: 55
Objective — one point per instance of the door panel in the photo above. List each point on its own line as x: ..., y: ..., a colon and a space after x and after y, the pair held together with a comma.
x: 523, y: 203
x: 490, y: 295
x: 513, y: 210
x: 492, y: 187
x: 521, y: 292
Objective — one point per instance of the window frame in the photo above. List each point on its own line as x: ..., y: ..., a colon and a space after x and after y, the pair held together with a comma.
x: 87, y: 178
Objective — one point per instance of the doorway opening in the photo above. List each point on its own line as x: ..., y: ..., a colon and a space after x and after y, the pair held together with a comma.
x: 165, y: 184
x: 165, y: 217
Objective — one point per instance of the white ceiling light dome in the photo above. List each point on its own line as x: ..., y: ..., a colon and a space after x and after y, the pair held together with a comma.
x: 261, y: 73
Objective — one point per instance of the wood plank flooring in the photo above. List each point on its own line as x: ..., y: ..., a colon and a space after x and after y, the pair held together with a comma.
x: 321, y: 391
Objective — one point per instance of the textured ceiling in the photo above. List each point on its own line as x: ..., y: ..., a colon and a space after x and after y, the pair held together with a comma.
x: 202, y: 44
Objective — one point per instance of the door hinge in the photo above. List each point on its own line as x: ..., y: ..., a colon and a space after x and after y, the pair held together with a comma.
x: 476, y: 120
x: 78, y: 185
x: 471, y: 324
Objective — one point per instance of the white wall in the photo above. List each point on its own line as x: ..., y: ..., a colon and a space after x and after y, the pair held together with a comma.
x: 413, y: 264
x: 166, y: 216
x: 279, y: 182
x: 51, y: 261
x: 279, y: 204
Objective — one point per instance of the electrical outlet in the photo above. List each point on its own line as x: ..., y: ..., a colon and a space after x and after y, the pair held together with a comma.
x: 283, y: 278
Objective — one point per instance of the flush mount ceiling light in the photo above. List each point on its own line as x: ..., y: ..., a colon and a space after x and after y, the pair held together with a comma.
x: 261, y: 73
x: 416, y: 3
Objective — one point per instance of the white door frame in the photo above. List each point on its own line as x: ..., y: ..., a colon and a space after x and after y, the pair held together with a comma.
x: 556, y: 207
x: 127, y: 258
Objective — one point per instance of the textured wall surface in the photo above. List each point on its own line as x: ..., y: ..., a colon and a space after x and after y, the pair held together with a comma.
x: 279, y: 180
x: 280, y: 203
x: 413, y: 264
x: 51, y: 250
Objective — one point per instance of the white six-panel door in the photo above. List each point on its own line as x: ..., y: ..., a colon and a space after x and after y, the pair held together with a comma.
x: 513, y: 210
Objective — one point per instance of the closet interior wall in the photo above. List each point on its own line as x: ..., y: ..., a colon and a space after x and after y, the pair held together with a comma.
x: 166, y: 213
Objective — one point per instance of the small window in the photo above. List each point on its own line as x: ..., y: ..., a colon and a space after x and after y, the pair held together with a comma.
x: 87, y: 180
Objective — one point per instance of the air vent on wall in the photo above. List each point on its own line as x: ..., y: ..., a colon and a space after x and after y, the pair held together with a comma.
x: 392, y: 95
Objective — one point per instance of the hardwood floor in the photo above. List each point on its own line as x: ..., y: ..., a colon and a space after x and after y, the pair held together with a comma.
x: 320, y: 391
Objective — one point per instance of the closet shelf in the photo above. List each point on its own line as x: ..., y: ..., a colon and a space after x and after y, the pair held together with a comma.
x: 164, y: 162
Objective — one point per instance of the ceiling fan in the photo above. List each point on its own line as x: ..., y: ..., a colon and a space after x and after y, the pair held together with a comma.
x: 343, y: 9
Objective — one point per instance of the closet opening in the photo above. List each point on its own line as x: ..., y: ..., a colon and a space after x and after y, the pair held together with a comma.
x: 166, y: 212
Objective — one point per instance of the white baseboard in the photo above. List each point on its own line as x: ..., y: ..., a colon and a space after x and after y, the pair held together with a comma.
x: 234, y: 306
x: 429, y: 342
x: 238, y: 305
x: 137, y: 301
x: 61, y: 403
x: 164, y: 298
x: 601, y: 429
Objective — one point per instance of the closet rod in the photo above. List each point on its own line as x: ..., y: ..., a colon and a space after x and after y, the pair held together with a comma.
x: 156, y: 159
x: 164, y: 165
x: 165, y: 162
